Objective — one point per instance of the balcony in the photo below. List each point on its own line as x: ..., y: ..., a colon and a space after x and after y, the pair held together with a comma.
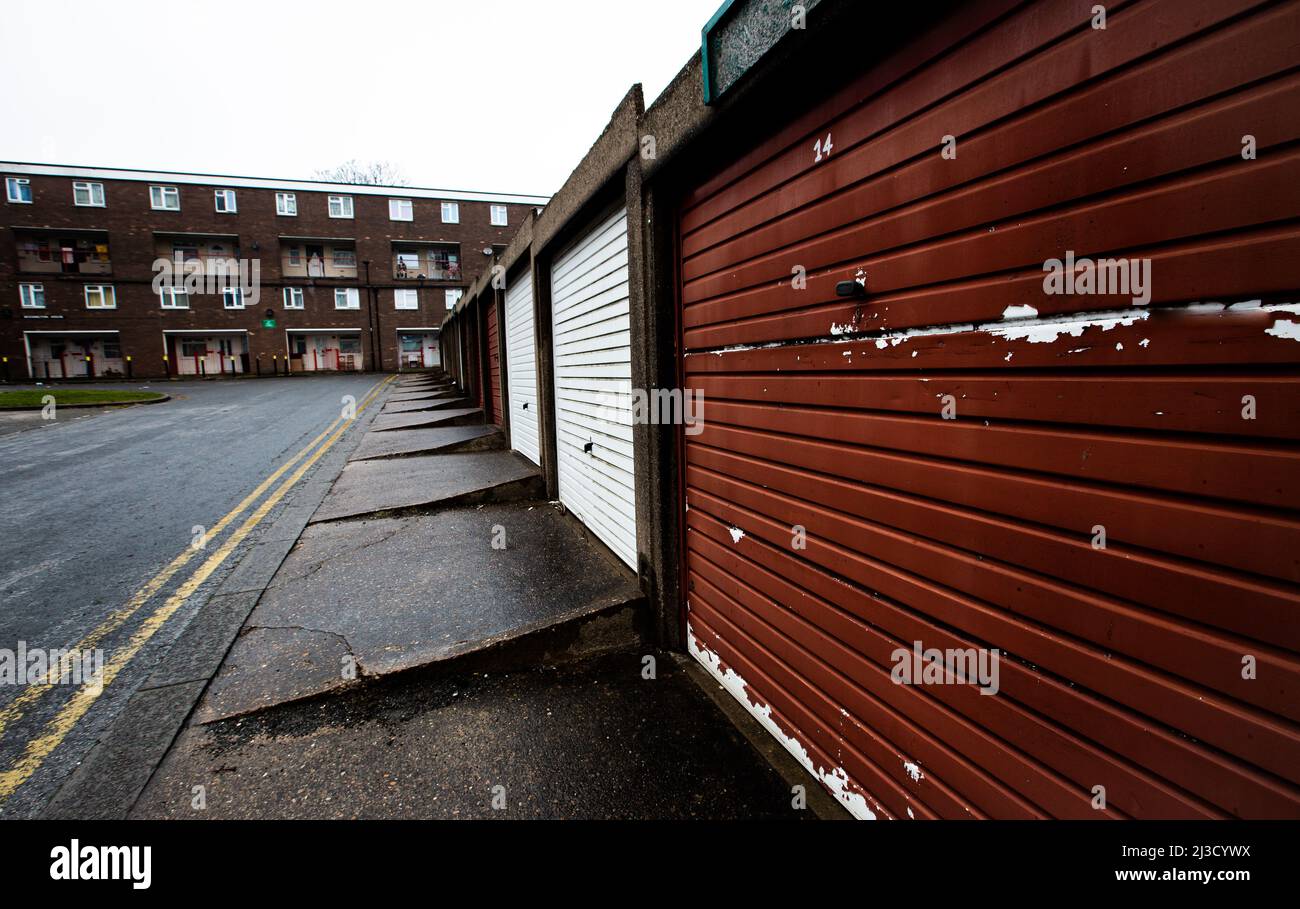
x: 46, y: 253
x: 430, y: 263
x: 317, y: 259
x: 197, y: 254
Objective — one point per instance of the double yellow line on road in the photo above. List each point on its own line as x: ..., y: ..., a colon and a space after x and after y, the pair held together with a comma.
x: 40, y: 748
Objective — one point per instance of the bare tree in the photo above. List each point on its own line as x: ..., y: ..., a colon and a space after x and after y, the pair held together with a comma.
x: 370, y: 173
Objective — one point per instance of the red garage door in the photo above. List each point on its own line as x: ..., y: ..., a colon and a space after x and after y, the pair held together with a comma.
x: 494, y: 361
x: 1073, y: 479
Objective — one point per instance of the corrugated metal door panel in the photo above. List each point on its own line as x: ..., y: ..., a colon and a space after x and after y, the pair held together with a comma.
x: 933, y: 462
x: 593, y: 381
x: 521, y: 368
x: 494, y: 361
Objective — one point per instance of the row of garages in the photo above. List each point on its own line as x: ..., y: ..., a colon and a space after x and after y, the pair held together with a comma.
x: 918, y: 449
x: 79, y: 354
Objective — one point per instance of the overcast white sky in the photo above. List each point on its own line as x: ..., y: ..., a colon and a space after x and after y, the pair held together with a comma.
x: 502, y: 95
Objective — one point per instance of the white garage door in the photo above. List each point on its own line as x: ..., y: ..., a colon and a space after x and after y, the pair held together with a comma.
x: 593, y: 382
x: 521, y: 368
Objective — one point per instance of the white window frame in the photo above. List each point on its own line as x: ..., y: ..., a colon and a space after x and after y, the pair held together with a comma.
x: 396, y: 208
x: 451, y: 209
x: 229, y: 198
x: 158, y: 195
x: 452, y: 295
x: 286, y: 204
x: 345, y: 206
x: 106, y: 293
x: 168, y: 297
x: 232, y: 298
x: 13, y: 190
x: 505, y: 216
x: 404, y: 298
x: 351, y: 295
x: 27, y: 296
x: 294, y: 299
x: 90, y: 189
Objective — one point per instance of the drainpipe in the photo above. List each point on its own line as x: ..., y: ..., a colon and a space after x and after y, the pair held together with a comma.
x: 371, y: 317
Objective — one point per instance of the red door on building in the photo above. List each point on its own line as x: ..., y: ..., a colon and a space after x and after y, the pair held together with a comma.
x: 937, y: 444
x: 494, y: 362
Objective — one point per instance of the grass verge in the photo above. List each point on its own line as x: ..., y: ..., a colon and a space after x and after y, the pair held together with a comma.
x: 34, y: 398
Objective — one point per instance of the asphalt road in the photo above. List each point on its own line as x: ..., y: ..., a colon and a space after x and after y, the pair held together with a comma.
x: 93, y: 506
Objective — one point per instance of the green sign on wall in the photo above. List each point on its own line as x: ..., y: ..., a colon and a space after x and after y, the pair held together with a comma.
x: 268, y: 323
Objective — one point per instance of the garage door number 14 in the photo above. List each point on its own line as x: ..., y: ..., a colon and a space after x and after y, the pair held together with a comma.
x: 823, y: 148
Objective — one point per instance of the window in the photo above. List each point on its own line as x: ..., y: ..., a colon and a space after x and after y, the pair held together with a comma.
x: 226, y: 200
x: 18, y: 189
x: 345, y: 258
x: 453, y: 295
x: 450, y: 213
x: 293, y: 298
x: 232, y: 298
x: 347, y: 298
x: 406, y: 299
x: 295, y: 255
x: 165, y: 198
x: 286, y: 204
x: 173, y: 298
x: 88, y: 194
x: 32, y: 295
x: 340, y: 206
x: 400, y: 210
x: 100, y: 296
x: 499, y: 216
x: 194, y: 347
x: 112, y: 350
x: 350, y: 345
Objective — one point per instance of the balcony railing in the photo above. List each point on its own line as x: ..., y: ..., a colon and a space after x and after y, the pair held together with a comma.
x: 327, y: 266
x: 36, y: 259
x: 433, y: 271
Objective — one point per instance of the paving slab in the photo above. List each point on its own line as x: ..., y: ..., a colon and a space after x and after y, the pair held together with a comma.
x: 429, y: 481
x: 428, y: 441
x: 418, y: 406
x: 394, y: 594
x: 593, y: 740
x: 455, y: 416
x: 424, y: 395
x: 423, y: 383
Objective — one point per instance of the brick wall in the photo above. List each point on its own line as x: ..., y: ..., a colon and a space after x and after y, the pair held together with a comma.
x: 131, y: 223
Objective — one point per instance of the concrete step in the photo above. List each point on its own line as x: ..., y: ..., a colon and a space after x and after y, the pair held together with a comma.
x: 456, y: 416
x: 434, y: 440
x: 427, y: 592
x: 424, y: 395
x: 425, y: 483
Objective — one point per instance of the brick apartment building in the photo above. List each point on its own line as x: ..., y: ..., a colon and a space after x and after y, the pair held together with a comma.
x: 348, y: 276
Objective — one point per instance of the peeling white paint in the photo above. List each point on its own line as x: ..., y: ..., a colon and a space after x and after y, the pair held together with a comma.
x: 836, y: 780
x: 1145, y: 342
x: 1285, y: 328
x: 909, y: 813
x: 1024, y: 311
x: 914, y: 771
x: 736, y: 534
x: 1022, y: 323
x: 1047, y: 331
